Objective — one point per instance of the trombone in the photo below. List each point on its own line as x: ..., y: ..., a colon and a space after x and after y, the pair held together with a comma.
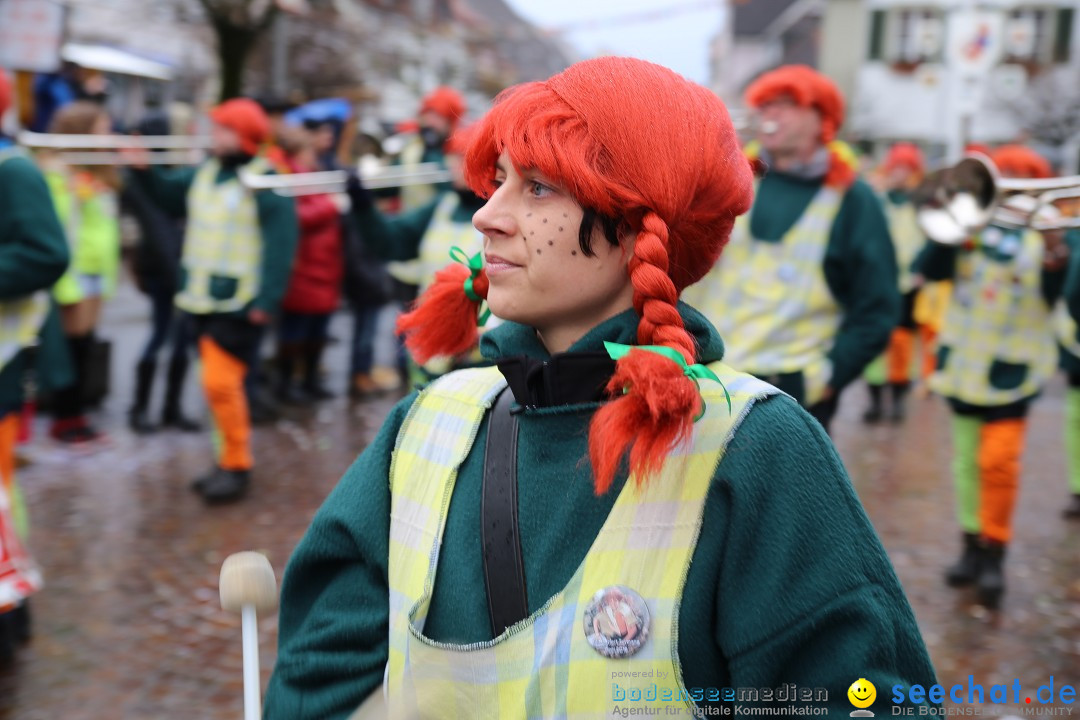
x: 109, y: 149
x: 954, y: 203
x: 335, y: 181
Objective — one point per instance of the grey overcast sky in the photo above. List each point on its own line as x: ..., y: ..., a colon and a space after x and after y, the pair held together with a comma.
x: 675, y: 33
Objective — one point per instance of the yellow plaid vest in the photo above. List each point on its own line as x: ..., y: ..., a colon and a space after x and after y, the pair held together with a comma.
x: 543, y: 666
x: 414, y: 196
x: 1066, y: 330
x: 997, y: 324
x: 770, y: 301
x: 907, y: 240
x: 442, y: 234
x: 222, y: 244
x: 20, y: 319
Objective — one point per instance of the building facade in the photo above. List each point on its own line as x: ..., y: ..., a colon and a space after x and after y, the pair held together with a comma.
x: 949, y: 73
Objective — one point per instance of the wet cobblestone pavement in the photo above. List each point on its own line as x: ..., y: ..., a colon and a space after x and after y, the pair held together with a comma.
x: 129, y: 624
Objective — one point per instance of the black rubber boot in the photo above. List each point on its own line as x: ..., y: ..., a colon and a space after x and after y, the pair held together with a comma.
x: 172, y: 415
x: 223, y: 486
x: 874, y: 413
x: 966, y: 570
x: 991, y: 584
x: 287, y: 392
x: 139, y: 414
x: 313, y: 386
x: 1072, y: 509
x: 21, y: 623
x: 8, y: 640
x: 899, y: 394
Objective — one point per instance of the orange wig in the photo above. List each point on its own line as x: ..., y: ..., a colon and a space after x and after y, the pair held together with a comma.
x: 1021, y: 162
x: 5, y: 92
x: 445, y: 101
x: 670, y: 170
x: 808, y: 88
x: 459, y: 140
x: 906, y: 155
x: 247, y: 119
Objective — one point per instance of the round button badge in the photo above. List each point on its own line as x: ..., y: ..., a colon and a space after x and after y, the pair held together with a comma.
x: 616, y: 621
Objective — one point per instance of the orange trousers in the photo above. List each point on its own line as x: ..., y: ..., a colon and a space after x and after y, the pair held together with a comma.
x: 223, y: 382
x: 9, y: 433
x: 899, y: 355
x: 1001, y: 443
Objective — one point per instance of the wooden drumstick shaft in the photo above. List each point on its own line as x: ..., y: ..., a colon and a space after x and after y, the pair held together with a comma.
x: 252, y: 682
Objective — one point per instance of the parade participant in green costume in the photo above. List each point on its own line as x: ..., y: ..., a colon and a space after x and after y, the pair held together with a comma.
x: 610, y: 497
x: 33, y: 256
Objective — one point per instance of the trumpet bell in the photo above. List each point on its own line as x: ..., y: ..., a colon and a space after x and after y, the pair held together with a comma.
x: 957, y: 201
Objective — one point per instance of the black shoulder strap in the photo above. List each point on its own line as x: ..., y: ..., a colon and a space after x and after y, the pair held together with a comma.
x: 504, y: 571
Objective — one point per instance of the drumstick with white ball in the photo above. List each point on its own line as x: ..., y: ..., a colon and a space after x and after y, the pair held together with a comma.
x: 248, y: 586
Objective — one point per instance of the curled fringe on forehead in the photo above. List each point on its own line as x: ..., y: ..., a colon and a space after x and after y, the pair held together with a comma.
x: 540, y: 132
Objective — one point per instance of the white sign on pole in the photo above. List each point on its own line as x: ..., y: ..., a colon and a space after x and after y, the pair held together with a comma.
x: 975, y: 40
x: 30, y: 34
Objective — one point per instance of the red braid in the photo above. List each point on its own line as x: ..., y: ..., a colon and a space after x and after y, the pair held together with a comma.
x: 443, y: 320
x: 660, y: 404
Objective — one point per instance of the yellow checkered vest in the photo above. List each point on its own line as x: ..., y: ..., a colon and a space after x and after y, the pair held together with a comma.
x: 223, y: 244
x: 20, y: 319
x: 442, y: 234
x: 543, y: 666
x: 907, y: 240
x: 1066, y: 330
x: 996, y: 323
x: 414, y: 196
x: 770, y: 301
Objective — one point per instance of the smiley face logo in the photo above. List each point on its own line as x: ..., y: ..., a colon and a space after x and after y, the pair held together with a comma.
x: 862, y: 694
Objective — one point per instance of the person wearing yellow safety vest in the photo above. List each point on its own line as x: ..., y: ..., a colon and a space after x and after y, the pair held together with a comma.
x: 995, y: 354
x: 806, y: 295
x: 87, y: 202
x: 899, y: 174
x: 441, y: 111
x: 238, y: 251
x: 610, y: 516
x: 423, y: 237
x: 33, y: 256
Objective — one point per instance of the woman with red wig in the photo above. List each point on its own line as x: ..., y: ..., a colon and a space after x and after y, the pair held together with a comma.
x: 995, y: 354
x: 609, y: 515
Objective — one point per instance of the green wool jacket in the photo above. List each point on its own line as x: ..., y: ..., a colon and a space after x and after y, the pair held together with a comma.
x: 33, y: 256
x: 398, y: 237
x: 788, y: 582
x: 278, y: 224
x: 859, y: 266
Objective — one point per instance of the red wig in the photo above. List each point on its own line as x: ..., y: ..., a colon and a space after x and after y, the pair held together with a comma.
x: 5, y: 92
x: 459, y: 140
x: 1021, y: 162
x: 905, y: 155
x: 633, y: 141
x: 445, y: 101
x: 247, y: 119
x: 808, y: 88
